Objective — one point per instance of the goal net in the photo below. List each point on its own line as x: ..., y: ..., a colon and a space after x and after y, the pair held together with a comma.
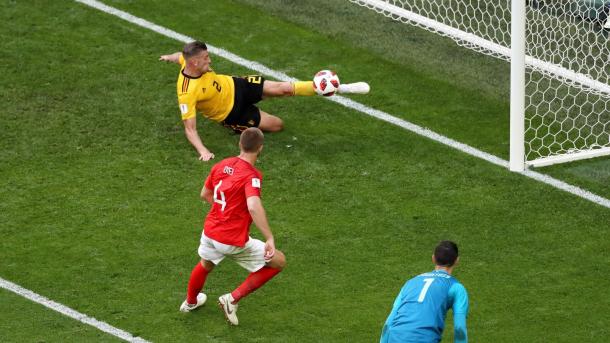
x: 566, y: 107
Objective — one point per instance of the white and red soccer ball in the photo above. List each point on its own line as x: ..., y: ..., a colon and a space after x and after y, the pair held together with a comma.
x: 326, y: 82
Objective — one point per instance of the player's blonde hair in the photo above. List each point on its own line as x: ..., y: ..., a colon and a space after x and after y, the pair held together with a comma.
x: 251, y: 139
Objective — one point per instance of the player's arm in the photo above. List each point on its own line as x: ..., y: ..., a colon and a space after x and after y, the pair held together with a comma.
x: 207, y: 195
x: 460, y: 311
x: 190, y: 130
x: 388, y: 322
x: 259, y: 217
x: 174, y: 58
x: 460, y: 333
x: 187, y: 102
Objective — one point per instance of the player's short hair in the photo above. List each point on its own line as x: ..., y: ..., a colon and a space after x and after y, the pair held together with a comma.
x: 445, y: 253
x: 193, y: 48
x: 251, y: 139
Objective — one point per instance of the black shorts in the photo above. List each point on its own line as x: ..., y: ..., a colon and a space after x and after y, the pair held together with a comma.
x: 248, y: 91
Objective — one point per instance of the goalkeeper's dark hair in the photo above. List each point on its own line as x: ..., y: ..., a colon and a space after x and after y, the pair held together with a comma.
x: 445, y: 254
x: 193, y: 48
x: 251, y: 139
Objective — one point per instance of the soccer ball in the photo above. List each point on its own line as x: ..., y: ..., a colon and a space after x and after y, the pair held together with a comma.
x: 326, y: 82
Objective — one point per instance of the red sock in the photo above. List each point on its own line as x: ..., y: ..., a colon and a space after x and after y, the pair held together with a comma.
x: 253, y: 282
x: 196, y: 282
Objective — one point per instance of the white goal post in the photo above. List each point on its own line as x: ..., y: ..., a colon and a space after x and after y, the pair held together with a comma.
x: 559, y: 52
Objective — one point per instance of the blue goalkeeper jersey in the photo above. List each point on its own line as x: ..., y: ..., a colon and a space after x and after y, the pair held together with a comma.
x: 419, y: 311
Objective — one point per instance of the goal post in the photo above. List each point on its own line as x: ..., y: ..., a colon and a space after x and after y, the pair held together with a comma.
x: 559, y: 51
x: 517, y: 88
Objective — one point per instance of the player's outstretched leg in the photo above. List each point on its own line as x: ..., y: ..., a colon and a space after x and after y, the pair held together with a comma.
x: 279, y: 88
x: 306, y: 88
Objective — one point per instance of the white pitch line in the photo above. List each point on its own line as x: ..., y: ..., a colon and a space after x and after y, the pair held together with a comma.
x: 354, y: 105
x: 83, y: 318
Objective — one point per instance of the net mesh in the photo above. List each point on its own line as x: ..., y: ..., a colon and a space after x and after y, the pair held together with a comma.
x: 567, y: 61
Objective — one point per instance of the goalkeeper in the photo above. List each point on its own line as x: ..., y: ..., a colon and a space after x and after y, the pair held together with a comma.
x: 230, y: 100
x: 418, y: 313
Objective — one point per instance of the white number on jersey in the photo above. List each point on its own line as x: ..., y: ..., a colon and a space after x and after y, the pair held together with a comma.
x: 220, y: 201
x: 424, y: 290
x: 184, y: 108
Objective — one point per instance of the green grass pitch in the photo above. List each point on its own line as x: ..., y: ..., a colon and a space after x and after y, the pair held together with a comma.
x: 99, y: 188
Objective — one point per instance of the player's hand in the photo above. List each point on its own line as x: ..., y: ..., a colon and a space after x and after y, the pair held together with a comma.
x: 206, y: 156
x: 165, y: 58
x: 269, y: 249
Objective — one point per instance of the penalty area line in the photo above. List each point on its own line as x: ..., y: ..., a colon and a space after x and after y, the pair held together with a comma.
x: 353, y: 105
x: 83, y: 318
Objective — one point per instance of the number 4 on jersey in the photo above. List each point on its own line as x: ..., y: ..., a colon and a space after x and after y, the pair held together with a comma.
x: 220, y: 201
